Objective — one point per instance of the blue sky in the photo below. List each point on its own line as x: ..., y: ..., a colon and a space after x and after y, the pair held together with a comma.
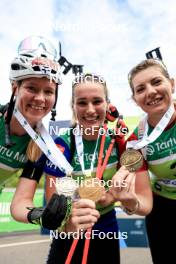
x: 109, y: 37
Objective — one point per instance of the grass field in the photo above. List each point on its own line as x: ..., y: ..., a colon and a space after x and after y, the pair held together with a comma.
x: 7, y: 223
x: 132, y: 122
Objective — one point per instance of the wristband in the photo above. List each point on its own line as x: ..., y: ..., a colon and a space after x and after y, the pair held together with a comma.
x: 34, y: 215
x: 52, y: 215
x: 131, y: 212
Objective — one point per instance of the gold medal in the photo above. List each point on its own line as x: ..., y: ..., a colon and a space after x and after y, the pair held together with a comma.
x: 91, y: 189
x: 132, y: 159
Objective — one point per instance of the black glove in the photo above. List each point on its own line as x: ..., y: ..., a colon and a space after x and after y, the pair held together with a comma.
x: 52, y: 215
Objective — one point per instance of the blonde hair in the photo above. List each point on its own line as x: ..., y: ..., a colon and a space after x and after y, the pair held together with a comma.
x: 143, y: 65
x: 33, y: 152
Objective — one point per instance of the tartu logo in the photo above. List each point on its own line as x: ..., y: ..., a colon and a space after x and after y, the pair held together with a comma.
x: 166, y: 144
x: 161, y: 146
x: 150, y: 150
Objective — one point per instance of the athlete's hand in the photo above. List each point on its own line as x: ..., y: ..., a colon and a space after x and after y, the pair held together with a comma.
x: 122, y: 189
x: 83, y: 216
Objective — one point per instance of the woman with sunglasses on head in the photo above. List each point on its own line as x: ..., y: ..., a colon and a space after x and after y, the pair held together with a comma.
x: 35, y: 75
x: 34, y: 78
x: 152, y: 90
x: 92, y: 160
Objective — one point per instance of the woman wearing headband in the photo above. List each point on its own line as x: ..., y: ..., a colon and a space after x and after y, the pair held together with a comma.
x: 152, y: 90
x: 93, y: 160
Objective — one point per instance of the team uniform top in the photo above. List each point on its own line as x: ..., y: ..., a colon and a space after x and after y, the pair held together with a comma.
x: 64, y: 144
x: 161, y: 161
x: 11, y: 159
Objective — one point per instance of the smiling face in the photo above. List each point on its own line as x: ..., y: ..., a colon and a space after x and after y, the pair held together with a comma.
x: 35, y: 98
x: 152, y: 91
x: 89, y: 106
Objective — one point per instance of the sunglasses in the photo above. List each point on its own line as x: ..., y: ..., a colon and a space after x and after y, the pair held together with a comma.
x: 36, y: 45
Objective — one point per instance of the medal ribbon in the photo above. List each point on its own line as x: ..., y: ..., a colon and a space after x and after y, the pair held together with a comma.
x: 80, y: 151
x: 99, y: 175
x: 138, y: 144
x: 100, y: 156
x: 45, y: 143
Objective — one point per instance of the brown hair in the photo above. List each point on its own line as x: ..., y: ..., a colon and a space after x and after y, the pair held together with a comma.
x: 143, y: 65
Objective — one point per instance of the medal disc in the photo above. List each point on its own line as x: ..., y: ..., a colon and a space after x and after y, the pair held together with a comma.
x: 91, y: 189
x: 66, y: 186
x: 132, y: 159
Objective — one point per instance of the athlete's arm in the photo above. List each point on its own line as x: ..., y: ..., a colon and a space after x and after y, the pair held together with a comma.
x: 22, y: 199
x: 132, y: 190
x: 50, y: 186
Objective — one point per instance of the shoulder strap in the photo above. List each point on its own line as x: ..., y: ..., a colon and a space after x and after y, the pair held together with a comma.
x: 72, y: 144
x: 3, y: 108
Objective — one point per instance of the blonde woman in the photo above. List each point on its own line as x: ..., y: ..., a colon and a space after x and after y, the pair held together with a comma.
x: 89, y: 105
